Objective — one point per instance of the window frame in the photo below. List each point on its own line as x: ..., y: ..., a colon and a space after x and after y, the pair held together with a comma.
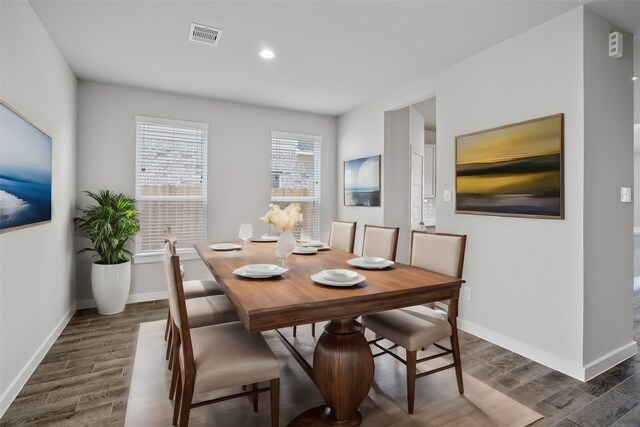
x: 317, y: 197
x: 185, y: 253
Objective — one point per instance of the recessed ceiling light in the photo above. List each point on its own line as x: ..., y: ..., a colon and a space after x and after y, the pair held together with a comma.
x: 635, y: 78
x: 267, y: 54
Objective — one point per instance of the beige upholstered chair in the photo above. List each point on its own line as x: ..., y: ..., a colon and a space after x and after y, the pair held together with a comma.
x: 216, y: 357
x: 342, y: 235
x: 380, y: 241
x: 418, y: 327
x: 192, y: 288
x: 202, y: 311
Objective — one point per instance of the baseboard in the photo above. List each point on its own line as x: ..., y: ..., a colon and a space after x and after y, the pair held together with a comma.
x: 618, y: 355
x: 151, y: 296
x: 582, y: 373
x: 21, y: 379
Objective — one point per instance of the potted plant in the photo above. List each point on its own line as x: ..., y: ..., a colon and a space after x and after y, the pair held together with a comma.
x: 109, y: 225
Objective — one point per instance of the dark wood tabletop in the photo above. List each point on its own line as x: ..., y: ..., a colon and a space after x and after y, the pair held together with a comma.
x: 294, y: 298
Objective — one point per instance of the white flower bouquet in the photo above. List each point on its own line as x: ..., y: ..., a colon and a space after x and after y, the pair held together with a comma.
x: 286, y: 219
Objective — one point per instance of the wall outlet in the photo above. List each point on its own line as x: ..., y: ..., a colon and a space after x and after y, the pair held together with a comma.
x: 625, y: 194
x: 466, y: 294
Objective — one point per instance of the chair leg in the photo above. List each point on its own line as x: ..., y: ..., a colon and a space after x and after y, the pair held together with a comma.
x: 174, y: 382
x: 411, y: 379
x: 254, y: 397
x: 295, y: 328
x: 178, y: 401
x: 185, y: 405
x: 169, y: 338
x: 166, y: 329
x: 275, y: 402
x: 313, y: 330
x: 455, y: 347
x: 175, y: 347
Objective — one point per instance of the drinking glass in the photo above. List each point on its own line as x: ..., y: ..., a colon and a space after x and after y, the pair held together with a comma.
x: 245, y: 233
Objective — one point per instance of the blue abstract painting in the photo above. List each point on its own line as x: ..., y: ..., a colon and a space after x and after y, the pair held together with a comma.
x: 25, y: 172
x: 362, y: 181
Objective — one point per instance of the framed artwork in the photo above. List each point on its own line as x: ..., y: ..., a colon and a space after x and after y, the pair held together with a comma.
x: 362, y: 181
x: 25, y: 172
x: 513, y: 170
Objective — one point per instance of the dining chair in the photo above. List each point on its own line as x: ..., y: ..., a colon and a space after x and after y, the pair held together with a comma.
x: 217, y: 357
x: 192, y: 288
x: 418, y: 327
x: 201, y: 311
x: 342, y: 237
x: 379, y: 241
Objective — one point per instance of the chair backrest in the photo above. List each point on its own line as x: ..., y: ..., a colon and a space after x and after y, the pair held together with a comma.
x: 439, y: 252
x: 342, y: 235
x: 169, y: 237
x: 177, y: 305
x: 380, y: 241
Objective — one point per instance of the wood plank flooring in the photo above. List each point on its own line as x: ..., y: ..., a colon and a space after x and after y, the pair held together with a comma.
x: 438, y: 402
x: 84, y: 379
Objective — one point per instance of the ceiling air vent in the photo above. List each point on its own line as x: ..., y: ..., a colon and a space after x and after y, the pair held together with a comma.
x: 203, y: 34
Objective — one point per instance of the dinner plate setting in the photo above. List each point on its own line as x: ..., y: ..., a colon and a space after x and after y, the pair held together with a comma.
x: 265, y: 238
x: 321, y: 246
x: 260, y: 271
x: 338, y: 277
x: 370, y: 263
x: 225, y: 247
x: 305, y: 250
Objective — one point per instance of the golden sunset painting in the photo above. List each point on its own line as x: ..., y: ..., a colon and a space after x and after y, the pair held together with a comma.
x: 513, y: 170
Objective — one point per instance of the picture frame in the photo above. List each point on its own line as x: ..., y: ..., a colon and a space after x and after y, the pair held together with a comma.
x: 513, y: 170
x: 362, y: 181
x: 25, y: 172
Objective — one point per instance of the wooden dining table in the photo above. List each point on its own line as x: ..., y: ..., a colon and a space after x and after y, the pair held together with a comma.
x: 343, y: 364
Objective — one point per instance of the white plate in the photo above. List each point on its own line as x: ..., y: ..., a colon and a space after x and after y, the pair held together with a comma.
x: 339, y: 275
x: 261, y: 269
x: 359, y: 262
x: 319, y: 278
x: 225, y: 247
x: 324, y: 247
x: 242, y: 271
x: 302, y: 250
x: 312, y: 243
x: 265, y: 239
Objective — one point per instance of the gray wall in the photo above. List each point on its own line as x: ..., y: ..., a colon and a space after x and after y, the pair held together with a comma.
x: 527, y: 275
x: 239, y: 162
x: 608, y: 161
x: 36, y: 273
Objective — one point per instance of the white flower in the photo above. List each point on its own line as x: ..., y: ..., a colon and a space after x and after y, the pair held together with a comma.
x: 284, y: 219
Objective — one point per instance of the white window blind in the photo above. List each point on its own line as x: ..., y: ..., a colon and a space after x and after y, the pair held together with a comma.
x: 171, y: 182
x: 295, y: 177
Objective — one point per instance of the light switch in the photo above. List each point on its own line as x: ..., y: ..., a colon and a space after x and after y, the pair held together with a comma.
x: 625, y: 194
x: 447, y: 195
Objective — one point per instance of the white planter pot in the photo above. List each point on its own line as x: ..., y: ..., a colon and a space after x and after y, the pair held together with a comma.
x: 110, y: 286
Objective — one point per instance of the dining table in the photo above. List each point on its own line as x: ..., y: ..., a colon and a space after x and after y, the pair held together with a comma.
x: 343, y: 364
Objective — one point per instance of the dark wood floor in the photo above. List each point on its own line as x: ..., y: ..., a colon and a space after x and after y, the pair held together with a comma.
x: 84, y: 378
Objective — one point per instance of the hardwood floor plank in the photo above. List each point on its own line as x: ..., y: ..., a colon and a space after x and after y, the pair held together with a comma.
x: 47, y: 399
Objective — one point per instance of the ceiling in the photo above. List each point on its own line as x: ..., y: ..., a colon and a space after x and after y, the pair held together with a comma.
x: 331, y: 56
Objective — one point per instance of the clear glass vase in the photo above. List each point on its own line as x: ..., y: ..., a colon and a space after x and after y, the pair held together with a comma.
x: 284, y: 246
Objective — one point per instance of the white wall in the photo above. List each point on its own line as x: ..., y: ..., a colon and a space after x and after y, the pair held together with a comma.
x: 527, y: 275
x: 608, y: 223
x: 636, y: 188
x: 239, y: 162
x: 36, y: 274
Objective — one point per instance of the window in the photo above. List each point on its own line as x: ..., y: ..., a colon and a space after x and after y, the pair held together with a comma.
x: 171, y: 182
x: 295, y: 177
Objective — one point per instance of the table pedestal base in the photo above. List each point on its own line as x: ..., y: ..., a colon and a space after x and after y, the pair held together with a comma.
x: 320, y: 417
x: 343, y: 372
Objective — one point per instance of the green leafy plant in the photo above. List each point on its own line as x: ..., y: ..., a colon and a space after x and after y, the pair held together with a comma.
x: 109, y: 225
